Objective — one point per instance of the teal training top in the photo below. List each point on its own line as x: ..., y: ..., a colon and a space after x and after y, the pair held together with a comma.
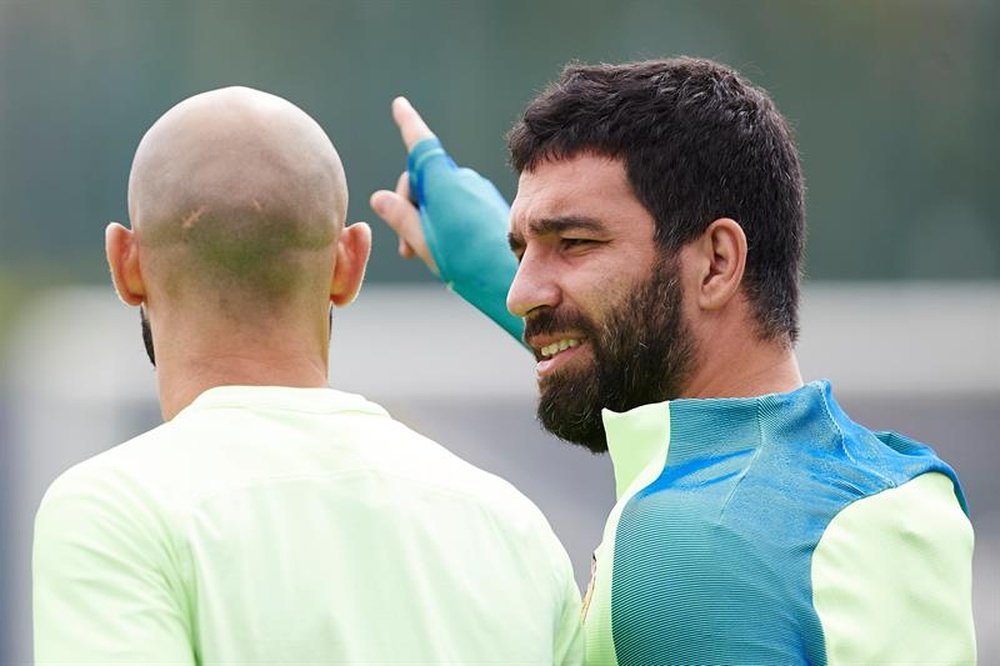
x: 774, y: 530
x: 272, y: 525
x: 769, y: 530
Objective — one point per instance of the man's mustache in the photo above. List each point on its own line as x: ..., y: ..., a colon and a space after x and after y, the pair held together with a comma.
x: 547, y: 321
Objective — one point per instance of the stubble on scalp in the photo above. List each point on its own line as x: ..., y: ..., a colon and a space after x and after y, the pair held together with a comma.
x: 236, y: 197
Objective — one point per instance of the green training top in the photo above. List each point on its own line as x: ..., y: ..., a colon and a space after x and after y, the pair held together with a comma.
x: 267, y: 525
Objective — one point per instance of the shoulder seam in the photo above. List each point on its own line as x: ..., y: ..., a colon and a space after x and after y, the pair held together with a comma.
x: 888, y: 483
x: 753, y: 459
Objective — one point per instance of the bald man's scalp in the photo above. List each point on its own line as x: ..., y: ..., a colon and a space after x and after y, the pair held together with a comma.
x: 239, y: 190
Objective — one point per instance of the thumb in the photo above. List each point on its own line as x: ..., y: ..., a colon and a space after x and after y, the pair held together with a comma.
x: 402, y: 217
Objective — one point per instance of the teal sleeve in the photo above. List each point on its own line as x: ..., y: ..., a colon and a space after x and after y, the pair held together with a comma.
x: 465, y: 222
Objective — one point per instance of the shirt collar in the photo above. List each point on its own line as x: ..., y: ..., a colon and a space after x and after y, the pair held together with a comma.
x: 317, y: 400
x: 695, y: 427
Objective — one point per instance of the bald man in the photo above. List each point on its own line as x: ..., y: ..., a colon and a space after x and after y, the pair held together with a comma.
x: 272, y: 519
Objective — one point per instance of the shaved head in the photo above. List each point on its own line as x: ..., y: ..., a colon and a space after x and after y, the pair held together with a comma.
x: 237, y: 198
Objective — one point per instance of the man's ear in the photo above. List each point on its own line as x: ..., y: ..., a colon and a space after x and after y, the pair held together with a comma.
x: 353, y: 248
x: 123, y: 260
x: 721, y: 258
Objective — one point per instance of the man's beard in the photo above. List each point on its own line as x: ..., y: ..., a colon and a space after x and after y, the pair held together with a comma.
x: 642, y: 353
x: 147, y: 336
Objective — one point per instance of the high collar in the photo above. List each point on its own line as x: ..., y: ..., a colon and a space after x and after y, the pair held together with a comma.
x: 317, y: 400
x: 687, y: 428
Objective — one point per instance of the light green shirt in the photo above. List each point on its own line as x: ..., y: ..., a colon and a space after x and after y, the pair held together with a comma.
x: 297, y: 526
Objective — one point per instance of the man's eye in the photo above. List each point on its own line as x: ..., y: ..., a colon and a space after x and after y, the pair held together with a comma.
x: 577, y: 242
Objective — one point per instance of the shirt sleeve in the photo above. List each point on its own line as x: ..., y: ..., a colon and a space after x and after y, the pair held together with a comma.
x: 892, y: 578
x: 569, y: 641
x: 103, y: 593
x: 465, y: 222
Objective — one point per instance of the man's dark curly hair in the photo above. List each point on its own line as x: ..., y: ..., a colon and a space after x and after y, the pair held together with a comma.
x: 698, y: 143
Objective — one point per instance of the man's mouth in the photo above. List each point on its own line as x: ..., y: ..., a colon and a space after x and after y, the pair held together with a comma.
x: 555, y: 354
x: 559, y: 346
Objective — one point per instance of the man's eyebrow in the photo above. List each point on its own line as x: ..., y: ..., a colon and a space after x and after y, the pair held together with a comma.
x: 555, y: 225
x: 516, y: 242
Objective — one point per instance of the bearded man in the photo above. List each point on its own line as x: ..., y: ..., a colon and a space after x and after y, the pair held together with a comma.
x: 657, y: 236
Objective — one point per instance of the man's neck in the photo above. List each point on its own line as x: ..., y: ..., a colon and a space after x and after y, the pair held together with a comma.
x: 180, y: 382
x: 189, y: 362
x: 744, y: 368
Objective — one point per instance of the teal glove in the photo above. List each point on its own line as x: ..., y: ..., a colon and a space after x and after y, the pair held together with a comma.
x: 465, y: 221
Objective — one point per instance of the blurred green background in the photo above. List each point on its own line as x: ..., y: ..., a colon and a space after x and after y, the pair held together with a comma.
x: 894, y: 103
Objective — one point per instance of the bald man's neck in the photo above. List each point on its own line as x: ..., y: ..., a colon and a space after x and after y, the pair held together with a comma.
x: 191, y: 360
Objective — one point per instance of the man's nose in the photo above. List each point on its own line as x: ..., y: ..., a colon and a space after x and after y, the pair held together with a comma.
x: 535, y: 285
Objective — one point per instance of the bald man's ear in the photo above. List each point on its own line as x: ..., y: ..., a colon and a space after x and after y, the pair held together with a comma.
x: 353, y: 249
x: 123, y: 260
x: 719, y: 256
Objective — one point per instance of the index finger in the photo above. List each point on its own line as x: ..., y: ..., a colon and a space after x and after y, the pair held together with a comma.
x: 412, y: 127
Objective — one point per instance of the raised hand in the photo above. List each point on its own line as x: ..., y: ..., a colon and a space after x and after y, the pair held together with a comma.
x: 452, y: 218
x: 396, y: 208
